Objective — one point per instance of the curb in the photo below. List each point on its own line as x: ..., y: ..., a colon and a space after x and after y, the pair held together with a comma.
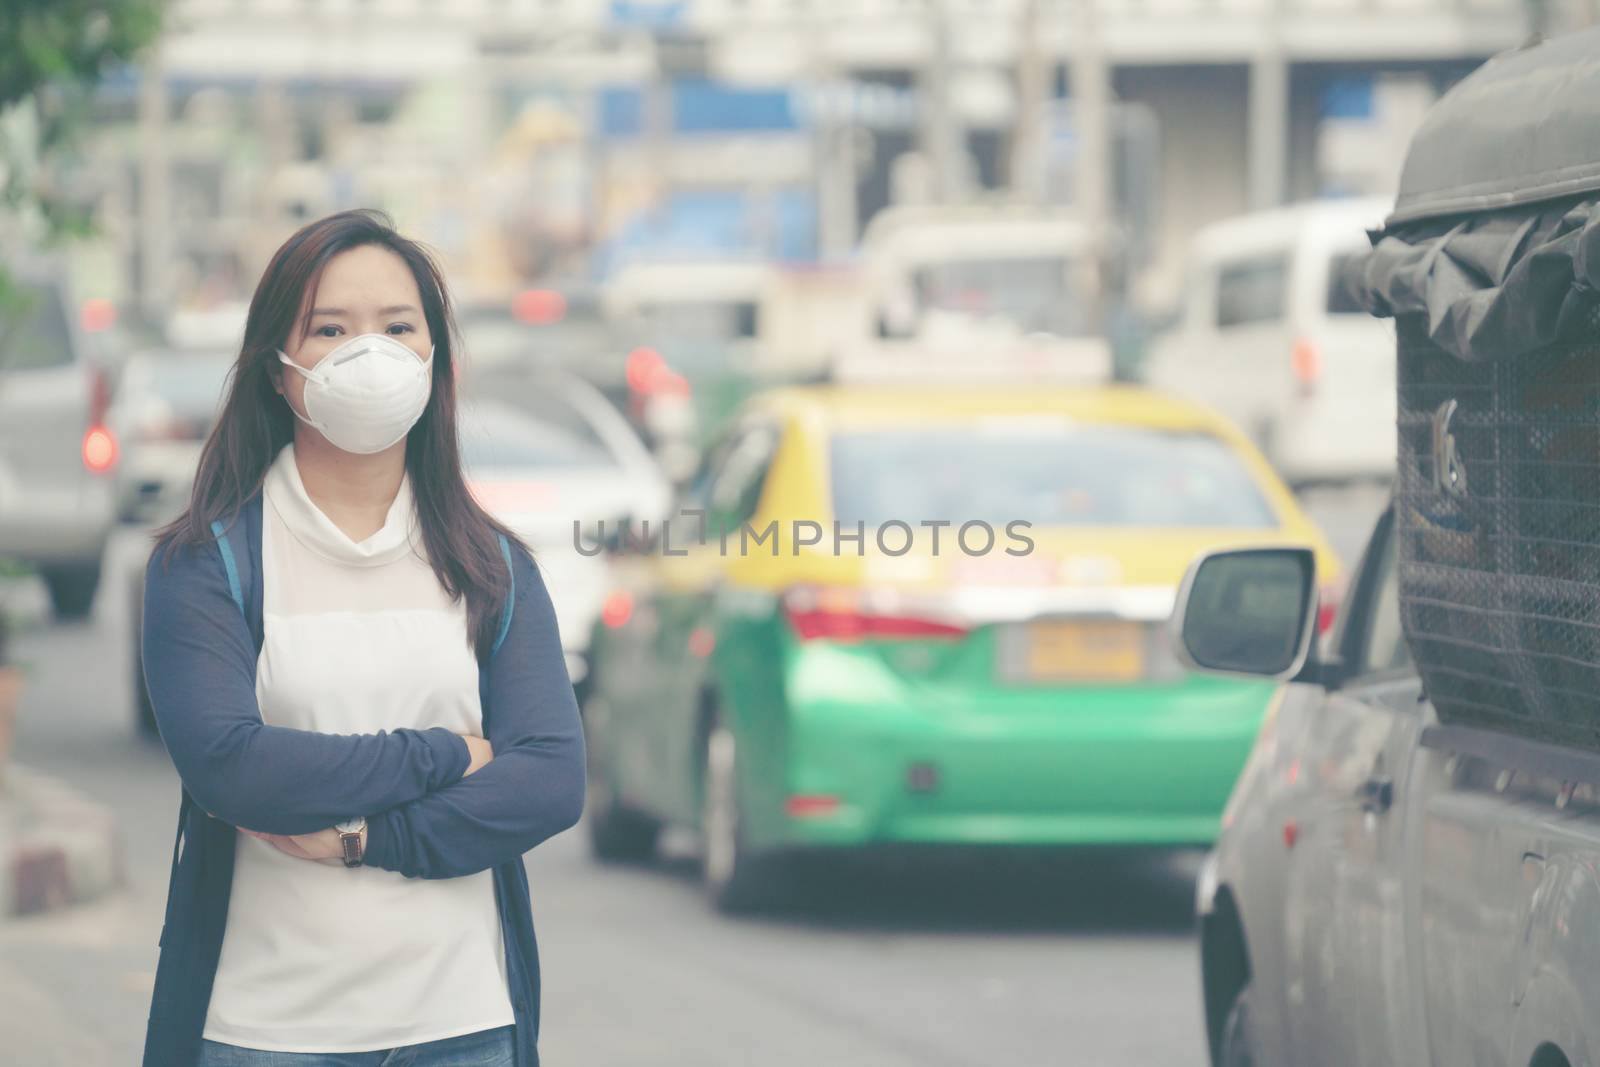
x: 57, y: 847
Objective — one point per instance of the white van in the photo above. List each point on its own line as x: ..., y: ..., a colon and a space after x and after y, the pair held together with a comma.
x: 1269, y: 337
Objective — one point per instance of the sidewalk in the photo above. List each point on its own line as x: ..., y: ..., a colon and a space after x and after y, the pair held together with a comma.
x: 57, y: 846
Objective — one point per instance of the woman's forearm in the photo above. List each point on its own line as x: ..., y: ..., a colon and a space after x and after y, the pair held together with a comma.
x: 199, y: 662
x: 519, y: 800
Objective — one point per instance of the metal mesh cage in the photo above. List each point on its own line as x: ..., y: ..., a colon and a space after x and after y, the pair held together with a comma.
x: 1498, y: 523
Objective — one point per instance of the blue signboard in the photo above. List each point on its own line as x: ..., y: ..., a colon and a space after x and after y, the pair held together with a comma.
x: 648, y: 13
x: 700, y: 106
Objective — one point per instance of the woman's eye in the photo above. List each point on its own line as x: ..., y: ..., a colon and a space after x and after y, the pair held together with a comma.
x: 328, y: 331
x: 400, y: 327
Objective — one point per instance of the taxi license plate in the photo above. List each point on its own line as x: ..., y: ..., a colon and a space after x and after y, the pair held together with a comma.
x: 1084, y: 650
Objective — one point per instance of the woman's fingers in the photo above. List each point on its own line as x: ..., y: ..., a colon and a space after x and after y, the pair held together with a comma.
x: 322, y: 845
x: 282, y: 843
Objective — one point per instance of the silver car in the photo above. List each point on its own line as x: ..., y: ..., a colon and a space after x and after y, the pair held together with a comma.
x: 1386, y: 889
x: 56, y: 454
x: 544, y: 450
x: 167, y: 402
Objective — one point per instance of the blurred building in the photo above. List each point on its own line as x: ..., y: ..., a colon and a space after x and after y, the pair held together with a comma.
x: 518, y: 134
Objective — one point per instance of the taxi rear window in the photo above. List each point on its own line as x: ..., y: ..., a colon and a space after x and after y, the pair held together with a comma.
x: 1049, y: 473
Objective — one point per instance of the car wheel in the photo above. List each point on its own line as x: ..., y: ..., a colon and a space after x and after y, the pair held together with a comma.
x: 616, y: 834
x: 72, y: 589
x: 735, y: 879
x: 1238, y: 1045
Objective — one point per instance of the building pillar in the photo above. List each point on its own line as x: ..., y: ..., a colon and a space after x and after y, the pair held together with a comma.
x: 1269, y: 120
x: 155, y: 214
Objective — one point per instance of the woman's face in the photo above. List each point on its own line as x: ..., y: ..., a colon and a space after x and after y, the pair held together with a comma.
x: 364, y: 290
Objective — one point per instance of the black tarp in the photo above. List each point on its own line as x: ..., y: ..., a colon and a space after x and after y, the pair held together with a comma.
x: 1490, y: 287
x: 1494, y: 243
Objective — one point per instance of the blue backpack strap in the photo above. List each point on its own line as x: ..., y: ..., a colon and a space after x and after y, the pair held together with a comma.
x: 230, y: 561
x: 511, y: 595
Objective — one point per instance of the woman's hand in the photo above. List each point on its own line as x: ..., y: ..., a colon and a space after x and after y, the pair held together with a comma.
x: 322, y: 845
x: 482, y: 752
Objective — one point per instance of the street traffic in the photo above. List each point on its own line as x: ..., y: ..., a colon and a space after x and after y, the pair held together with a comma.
x: 1050, y: 958
x: 962, y: 533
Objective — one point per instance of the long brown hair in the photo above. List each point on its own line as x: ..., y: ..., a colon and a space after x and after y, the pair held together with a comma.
x: 462, y: 541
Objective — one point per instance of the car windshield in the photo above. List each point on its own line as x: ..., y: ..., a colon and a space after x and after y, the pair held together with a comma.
x: 497, y: 437
x: 1034, y: 292
x: 1052, y: 472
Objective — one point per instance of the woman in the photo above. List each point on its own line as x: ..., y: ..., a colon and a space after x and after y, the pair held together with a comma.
x: 359, y: 678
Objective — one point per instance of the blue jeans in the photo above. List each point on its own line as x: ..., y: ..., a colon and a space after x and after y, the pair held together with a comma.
x: 486, y: 1048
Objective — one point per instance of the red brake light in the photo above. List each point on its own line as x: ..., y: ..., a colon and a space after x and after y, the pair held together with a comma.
x: 99, y: 449
x: 1306, y: 359
x: 97, y: 315
x: 617, y: 610
x: 803, y: 804
x: 539, y: 307
x: 644, y: 368
x: 840, y: 615
x: 1327, y: 608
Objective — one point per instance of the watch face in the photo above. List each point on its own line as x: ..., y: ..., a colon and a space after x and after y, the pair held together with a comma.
x: 351, y: 826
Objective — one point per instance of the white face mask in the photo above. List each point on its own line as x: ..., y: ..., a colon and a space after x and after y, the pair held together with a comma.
x: 366, y: 394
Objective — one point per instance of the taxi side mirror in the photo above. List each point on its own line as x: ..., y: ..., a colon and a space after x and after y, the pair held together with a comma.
x: 1248, y: 612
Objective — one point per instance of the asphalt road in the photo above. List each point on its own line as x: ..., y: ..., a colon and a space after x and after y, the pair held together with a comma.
x: 1016, y: 960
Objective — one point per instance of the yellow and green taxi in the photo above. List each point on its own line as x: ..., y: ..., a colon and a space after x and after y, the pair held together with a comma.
x: 927, y: 615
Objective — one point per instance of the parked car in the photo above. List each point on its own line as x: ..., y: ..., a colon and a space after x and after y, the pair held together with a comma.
x: 1270, y: 336
x: 1409, y: 867
x: 547, y: 455
x: 780, y: 701
x: 1384, y: 891
x: 166, y: 404
x: 56, y: 453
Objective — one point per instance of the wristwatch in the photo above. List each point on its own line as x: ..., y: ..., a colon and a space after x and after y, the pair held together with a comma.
x: 350, y: 839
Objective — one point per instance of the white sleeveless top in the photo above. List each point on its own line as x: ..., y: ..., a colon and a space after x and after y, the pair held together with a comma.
x: 318, y: 957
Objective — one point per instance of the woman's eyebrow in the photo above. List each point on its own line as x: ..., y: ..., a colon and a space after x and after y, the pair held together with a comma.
x: 393, y: 309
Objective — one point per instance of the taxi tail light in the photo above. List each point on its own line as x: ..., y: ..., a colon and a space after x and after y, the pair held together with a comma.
x: 803, y: 805
x: 838, y: 614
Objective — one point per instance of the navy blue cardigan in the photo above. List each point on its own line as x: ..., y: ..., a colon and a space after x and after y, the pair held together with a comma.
x: 202, y: 636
